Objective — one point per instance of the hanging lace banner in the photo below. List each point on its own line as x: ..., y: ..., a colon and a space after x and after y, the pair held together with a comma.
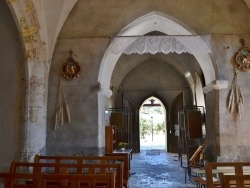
x: 161, y: 44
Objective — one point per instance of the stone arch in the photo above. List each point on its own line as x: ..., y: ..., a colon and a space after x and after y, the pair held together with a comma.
x: 28, y: 24
x: 32, y: 32
x: 38, y: 46
x: 153, y: 21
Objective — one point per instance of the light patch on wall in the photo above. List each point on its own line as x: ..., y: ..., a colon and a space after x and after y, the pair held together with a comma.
x: 106, y: 115
x: 187, y: 74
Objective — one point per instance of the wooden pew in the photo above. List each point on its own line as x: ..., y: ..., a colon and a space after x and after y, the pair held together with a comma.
x: 89, y: 159
x: 214, y: 168
x: 67, y: 168
x: 123, y: 154
x: 239, y: 181
x: 16, y: 180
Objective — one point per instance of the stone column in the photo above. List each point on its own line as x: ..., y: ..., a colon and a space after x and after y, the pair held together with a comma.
x: 30, y: 20
x: 212, y: 100
x: 34, y: 138
x: 103, y: 100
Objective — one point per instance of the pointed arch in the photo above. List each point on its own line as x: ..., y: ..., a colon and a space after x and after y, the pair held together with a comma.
x: 28, y: 25
x: 38, y: 44
x: 164, y: 105
x: 153, y: 21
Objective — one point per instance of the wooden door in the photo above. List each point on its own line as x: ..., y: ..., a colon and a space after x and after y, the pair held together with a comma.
x: 172, y: 136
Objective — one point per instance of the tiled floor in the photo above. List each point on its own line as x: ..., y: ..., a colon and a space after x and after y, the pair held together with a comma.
x: 157, y: 169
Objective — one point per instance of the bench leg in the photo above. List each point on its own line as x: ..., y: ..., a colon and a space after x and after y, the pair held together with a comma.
x: 186, y: 175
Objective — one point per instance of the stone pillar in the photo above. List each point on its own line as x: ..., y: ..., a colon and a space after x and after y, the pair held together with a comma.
x: 103, y: 101
x: 212, y: 123
x: 212, y: 100
x: 34, y: 138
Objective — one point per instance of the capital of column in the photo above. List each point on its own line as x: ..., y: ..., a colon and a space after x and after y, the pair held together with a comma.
x: 216, y: 85
x: 105, y: 91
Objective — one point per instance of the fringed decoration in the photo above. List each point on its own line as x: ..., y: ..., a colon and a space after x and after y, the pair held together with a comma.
x: 62, y: 109
x: 235, y: 98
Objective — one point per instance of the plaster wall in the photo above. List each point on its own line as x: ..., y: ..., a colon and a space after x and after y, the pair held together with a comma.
x: 230, y: 133
x: 95, y: 19
x: 82, y: 135
x: 87, y: 32
x: 12, y: 92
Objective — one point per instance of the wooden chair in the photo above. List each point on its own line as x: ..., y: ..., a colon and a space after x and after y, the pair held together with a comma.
x: 239, y: 181
x: 193, y: 162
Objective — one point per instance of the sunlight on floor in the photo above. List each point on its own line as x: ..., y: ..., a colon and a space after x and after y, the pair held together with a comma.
x: 157, y: 170
x: 153, y: 142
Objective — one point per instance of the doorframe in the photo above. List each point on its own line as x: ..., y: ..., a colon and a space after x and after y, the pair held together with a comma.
x: 137, y: 139
x: 179, y: 97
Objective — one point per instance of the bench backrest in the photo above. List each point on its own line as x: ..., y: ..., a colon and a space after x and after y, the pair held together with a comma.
x: 240, y: 181
x: 88, y: 159
x: 235, y: 168
x: 193, y: 158
x: 16, y: 180
x: 65, y: 168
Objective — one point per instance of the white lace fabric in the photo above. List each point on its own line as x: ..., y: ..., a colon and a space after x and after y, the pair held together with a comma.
x: 162, y: 44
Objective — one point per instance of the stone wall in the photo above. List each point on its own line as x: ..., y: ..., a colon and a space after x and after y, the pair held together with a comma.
x: 12, y: 84
x: 81, y: 94
x: 87, y: 32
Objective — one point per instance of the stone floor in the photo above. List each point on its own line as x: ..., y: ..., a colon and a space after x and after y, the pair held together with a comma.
x: 157, y: 169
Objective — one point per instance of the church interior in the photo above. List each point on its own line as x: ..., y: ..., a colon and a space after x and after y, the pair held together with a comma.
x: 76, y: 74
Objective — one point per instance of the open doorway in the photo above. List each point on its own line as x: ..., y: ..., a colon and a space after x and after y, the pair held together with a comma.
x: 152, y: 122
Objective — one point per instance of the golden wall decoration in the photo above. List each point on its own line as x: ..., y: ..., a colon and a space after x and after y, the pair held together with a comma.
x: 71, y: 69
x: 243, y: 59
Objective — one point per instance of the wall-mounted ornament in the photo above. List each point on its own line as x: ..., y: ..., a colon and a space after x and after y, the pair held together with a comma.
x: 243, y: 57
x: 71, y: 69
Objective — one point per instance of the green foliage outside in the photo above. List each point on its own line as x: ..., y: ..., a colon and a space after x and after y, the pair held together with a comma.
x: 160, y: 127
x: 145, y: 128
x: 152, y: 110
x: 146, y: 121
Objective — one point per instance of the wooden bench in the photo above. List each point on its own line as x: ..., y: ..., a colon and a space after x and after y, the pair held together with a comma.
x: 16, y: 180
x: 127, y: 154
x: 66, y: 168
x: 232, y: 168
x: 239, y: 181
x: 89, y: 160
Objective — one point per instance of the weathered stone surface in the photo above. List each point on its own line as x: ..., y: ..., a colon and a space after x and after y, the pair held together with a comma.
x: 30, y: 76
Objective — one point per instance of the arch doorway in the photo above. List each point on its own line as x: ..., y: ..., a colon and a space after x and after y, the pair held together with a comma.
x: 152, y: 125
x: 121, y: 74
